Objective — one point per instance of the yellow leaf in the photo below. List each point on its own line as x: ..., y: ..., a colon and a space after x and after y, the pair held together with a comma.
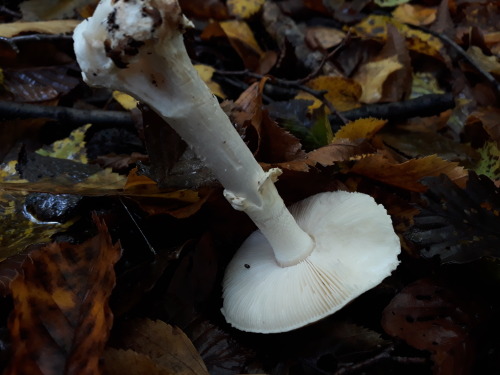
x: 342, y: 92
x: 424, y: 83
x: 125, y: 100
x: 9, y: 30
x: 375, y: 26
x: 69, y: 148
x: 361, y: 128
x: 239, y: 32
x: 415, y: 14
x: 244, y: 8
x: 372, y: 75
x: 489, y: 63
x: 206, y: 72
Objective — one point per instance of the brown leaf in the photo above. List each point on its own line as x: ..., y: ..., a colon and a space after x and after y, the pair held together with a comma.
x: 339, y: 150
x: 61, y: 318
x: 408, y: 174
x: 45, y: 27
x: 434, y: 317
x: 155, y: 345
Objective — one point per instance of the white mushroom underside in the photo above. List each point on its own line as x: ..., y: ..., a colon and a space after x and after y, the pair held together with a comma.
x: 356, y: 248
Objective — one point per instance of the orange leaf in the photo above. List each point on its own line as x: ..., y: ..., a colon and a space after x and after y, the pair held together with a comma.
x: 361, y: 128
x: 61, y: 318
x: 339, y: 150
x: 408, y: 174
x: 342, y: 92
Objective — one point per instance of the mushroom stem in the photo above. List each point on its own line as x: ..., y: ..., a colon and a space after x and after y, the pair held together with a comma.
x: 136, y: 46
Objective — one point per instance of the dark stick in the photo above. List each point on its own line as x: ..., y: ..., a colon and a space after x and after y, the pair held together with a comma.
x: 15, y: 40
x: 12, y: 110
x: 426, y: 105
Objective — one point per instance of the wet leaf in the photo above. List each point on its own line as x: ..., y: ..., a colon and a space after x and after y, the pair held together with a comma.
x: 458, y: 225
x: 69, y: 148
x: 407, y: 175
x: 41, y: 84
x: 61, y: 319
x: 154, y: 346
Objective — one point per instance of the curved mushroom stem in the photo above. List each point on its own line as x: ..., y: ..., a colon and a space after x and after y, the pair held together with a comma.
x: 136, y: 46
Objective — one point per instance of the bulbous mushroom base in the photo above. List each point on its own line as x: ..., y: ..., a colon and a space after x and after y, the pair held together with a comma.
x: 356, y: 248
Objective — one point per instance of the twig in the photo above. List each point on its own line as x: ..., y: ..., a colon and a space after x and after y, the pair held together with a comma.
x: 12, y: 110
x: 386, y: 355
x: 426, y: 105
x: 487, y: 75
x: 15, y: 40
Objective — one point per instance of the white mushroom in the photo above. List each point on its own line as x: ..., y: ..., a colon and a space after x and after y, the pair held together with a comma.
x: 292, y: 271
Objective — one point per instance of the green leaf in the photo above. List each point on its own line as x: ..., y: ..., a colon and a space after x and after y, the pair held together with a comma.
x: 489, y: 164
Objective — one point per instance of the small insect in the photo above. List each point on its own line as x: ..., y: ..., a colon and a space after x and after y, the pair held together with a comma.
x: 247, y: 266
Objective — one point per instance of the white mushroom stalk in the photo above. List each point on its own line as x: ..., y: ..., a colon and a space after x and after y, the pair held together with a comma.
x: 136, y: 46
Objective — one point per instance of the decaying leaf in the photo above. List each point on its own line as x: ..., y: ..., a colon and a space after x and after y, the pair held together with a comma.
x: 154, y: 346
x: 458, y: 225
x: 34, y: 10
x: 489, y: 164
x: 438, y: 319
x: 415, y: 14
x: 61, y: 319
x: 69, y: 148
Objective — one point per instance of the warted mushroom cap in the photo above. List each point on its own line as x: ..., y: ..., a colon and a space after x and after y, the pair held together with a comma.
x: 356, y: 248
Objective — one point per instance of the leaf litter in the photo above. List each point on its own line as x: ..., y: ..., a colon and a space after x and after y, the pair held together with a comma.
x: 292, y: 74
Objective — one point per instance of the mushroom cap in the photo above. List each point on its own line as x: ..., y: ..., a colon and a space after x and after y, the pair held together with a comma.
x: 356, y: 248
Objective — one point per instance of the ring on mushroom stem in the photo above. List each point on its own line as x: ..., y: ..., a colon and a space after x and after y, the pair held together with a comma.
x: 136, y: 46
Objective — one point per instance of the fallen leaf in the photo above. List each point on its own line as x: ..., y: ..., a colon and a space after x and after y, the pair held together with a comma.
x: 390, y: 3
x: 157, y: 346
x: 438, y: 319
x: 407, y: 175
x: 359, y: 129
x: 9, y: 30
x: 372, y: 76
x: 339, y: 150
x: 61, y: 318
x: 489, y: 164
x: 322, y: 37
x: 415, y: 14
x: 244, y: 8
x: 488, y: 63
x: 70, y: 148
x: 125, y: 100
x: 342, y: 92
x: 458, y: 225
x: 206, y: 72
x: 34, y: 10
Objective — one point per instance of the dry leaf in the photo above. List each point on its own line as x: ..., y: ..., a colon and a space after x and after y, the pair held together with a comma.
x: 372, y: 76
x: 34, y: 10
x: 206, y: 72
x: 415, y: 14
x: 61, y: 318
x: 339, y: 150
x: 323, y: 38
x: 168, y: 349
x: 9, y: 30
x: 362, y: 128
x: 342, y: 92
x: 408, y: 174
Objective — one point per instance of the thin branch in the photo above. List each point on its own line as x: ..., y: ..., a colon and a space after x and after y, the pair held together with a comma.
x: 423, y: 106
x: 384, y: 356
x: 460, y: 51
x: 15, y: 40
x: 12, y: 110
